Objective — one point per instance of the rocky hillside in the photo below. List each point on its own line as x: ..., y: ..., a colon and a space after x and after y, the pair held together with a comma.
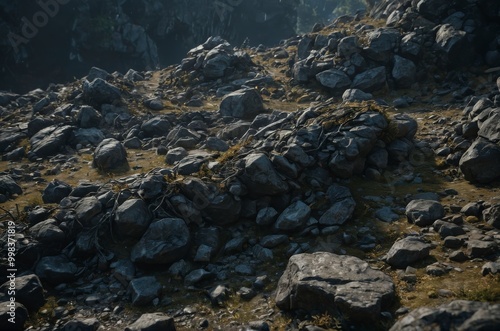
x: 346, y: 179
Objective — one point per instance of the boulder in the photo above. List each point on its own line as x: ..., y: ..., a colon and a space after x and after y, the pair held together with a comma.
x: 144, y: 290
x: 56, y: 269
x: 455, y: 46
x: 334, y: 79
x: 6, y: 312
x: 132, y: 219
x: 260, y: 176
x: 47, y: 232
x: 84, y: 137
x: 99, y: 92
x: 424, y: 212
x: 325, y: 282
x: 110, y: 155
x: 88, y: 117
x: 9, y: 138
x: 294, y: 217
x: 55, y: 191
x: 49, y: 141
x: 371, y: 80
x: 9, y: 187
x: 356, y: 95
x: 481, y: 162
x: 404, y: 72
x: 491, y: 216
x: 490, y: 128
x: 156, y: 127
x: 165, y: 242
x: 86, y: 209
x: 456, y: 315
x: 152, y: 322
x: 341, y: 206
x: 348, y: 46
x: 175, y: 155
x: 382, y: 44
x: 406, y: 251
x: 29, y: 291
x: 244, y: 104
x: 87, y: 324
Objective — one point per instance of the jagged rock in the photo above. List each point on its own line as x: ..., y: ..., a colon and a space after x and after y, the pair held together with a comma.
x: 446, y: 229
x: 404, y: 72
x: 190, y: 164
x: 9, y: 310
x: 491, y: 216
x: 156, y: 127
x: 262, y: 254
x: 47, y: 232
x: 490, y: 268
x: 294, y: 217
x: 304, y: 47
x: 272, y: 241
x: 406, y: 127
x: 197, y: 276
x: 456, y: 315
x: 49, y: 141
x: 219, y: 295
x: 356, y: 95
x: 424, y: 212
x: 382, y: 44
x: 244, y: 103
x: 151, y: 186
x: 84, y: 137
x: 480, y: 248
x: 132, y: 218
x: 433, y: 9
x: 144, y: 290
x: 216, y: 63
x: 342, y: 206
x: 266, y: 216
x: 110, y: 155
x: 88, y: 324
x: 216, y: 144
x: 454, y: 44
x: 260, y: 176
x: 123, y: 271
x: 348, y: 46
x: 152, y: 322
x: 98, y: 92
x: 88, y: 117
x: 334, y: 79
x: 223, y: 209
x: 29, y: 291
x: 490, y: 128
x: 406, y: 251
x: 86, y: 209
x: 234, y: 130
x: 14, y: 155
x: 96, y: 72
x: 56, y: 269
x: 165, y: 241
x: 9, y: 187
x: 175, y: 155
x: 9, y: 138
x: 481, y: 162
x: 55, y: 191
x: 330, y: 283
x: 371, y: 80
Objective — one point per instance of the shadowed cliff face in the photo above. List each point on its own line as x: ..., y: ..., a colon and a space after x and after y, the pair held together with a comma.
x: 56, y: 40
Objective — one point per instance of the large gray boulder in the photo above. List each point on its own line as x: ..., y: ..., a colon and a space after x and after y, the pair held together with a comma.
x: 404, y: 72
x: 56, y: 269
x: 424, y: 212
x: 490, y: 128
x: 382, y: 43
x: 165, y: 242
x: 341, y: 208
x: 331, y: 283
x: 8, y: 186
x: 245, y: 103
x: 49, y: 141
x: 456, y: 315
x: 55, y: 191
x: 156, y: 127
x: 99, y: 92
x: 455, y: 46
x: 110, y: 155
x: 334, y: 79
x: 371, y: 80
x: 481, y: 162
x: 260, y: 176
x: 144, y: 290
x: 294, y: 217
x: 406, y: 251
x: 132, y: 218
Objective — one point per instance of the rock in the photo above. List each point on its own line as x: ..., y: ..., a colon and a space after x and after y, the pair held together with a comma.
x: 14, y: 155
x: 9, y: 138
x: 219, y: 295
x: 88, y: 117
x: 456, y: 315
x: 123, y: 271
x: 154, y: 104
x: 490, y: 128
x: 385, y: 214
x: 56, y: 269
x: 424, y: 212
x: 260, y: 176
x: 55, y: 191
x: 223, y: 209
x: 243, y: 104
x: 152, y: 322
x: 382, y: 43
x: 404, y: 72
x: 47, y: 232
x: 266, y: 216
x: 341, y: 208
x: 406, y: 251
x: 455, y: 45
x: 370, y: 80
x: 491, y: 216
x: 9, y: 187
x: 480, y: 248
x: 9, y: 310
x: 96, y: 72
x: 132, y: 219
x: 190, y: 164
x: 293, y: 218
x: 273, y: 240
x: 348, y: 46
x: 216, y: 144
x: 99, y: 92
x: 352, y: 95
x: 432, y: 9
x: 490, y: 268
x: 86, y: 209
x: 88, y: 324
x: 446, y: 229
x: 86, y: 137
x: 326, y: 282
x: 110, y: 155
x: 156, y: 127
x: 175, y: 155
x: 28, y: 291
x: 165, y: 242
x: 334, y: 79
x: 144, y: 290
x: 197, y: 276
x: 481, y: 162
x: 261, y: 253
x: 49, y: 141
